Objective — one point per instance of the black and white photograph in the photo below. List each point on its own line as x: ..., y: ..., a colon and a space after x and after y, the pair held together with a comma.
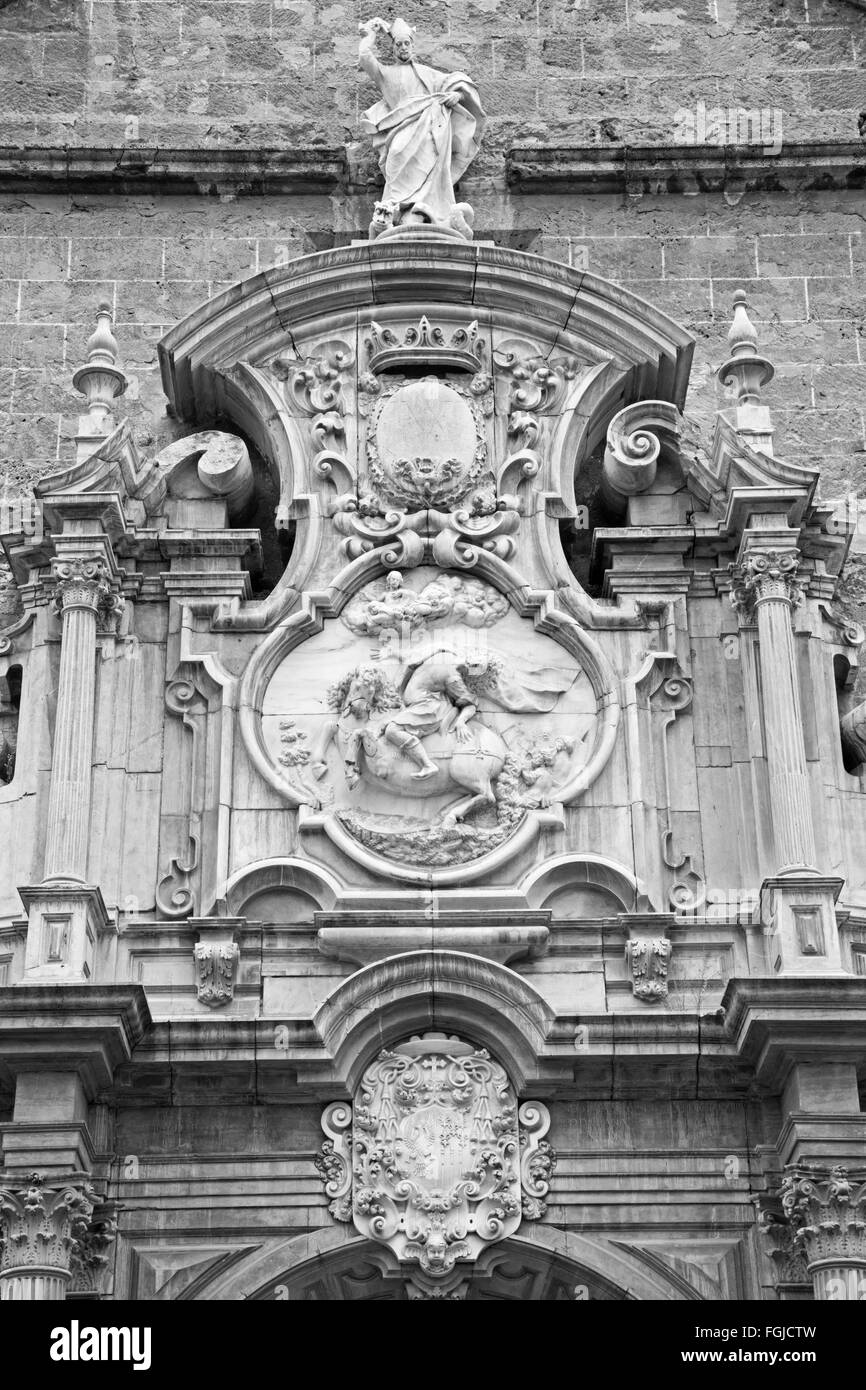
x: 432, y: 718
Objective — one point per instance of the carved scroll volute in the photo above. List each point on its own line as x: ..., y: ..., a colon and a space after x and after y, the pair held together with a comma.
x: 662, y: 782
x: 537, y: 1158
x: 222, y: 465
x: 334, y: 1162
x: 175, y: 896
x: 636, y: 439
x: 537, y: 386
x: 316, y: 387
x: 671, y: 699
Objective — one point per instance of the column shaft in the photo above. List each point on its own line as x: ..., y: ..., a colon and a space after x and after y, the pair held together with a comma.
x: 68, y: 826
x: 840, y: 1283
x: 783, y: 726
x: 47, y: 1286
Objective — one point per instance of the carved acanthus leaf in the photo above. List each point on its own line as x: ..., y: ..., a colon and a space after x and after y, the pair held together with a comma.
x: 766, y: 574
x: 648, y: 958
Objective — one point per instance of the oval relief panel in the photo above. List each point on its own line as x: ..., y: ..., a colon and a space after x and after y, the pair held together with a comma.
x: 429, y: 722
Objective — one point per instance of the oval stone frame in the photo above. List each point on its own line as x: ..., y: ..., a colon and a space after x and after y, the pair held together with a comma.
x: 540, y: 609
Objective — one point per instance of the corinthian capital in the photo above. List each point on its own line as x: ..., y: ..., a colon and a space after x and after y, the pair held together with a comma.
x: 86, y: 583
x: 827, y: 1213
x: 766, y: 574
x: 42, y: 1228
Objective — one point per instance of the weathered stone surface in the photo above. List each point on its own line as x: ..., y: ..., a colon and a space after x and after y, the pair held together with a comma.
x: 423, y: 720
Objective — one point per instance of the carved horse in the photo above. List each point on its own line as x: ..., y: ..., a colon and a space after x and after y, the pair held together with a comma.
x: 470, y: 765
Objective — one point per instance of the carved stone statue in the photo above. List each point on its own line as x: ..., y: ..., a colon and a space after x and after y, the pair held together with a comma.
x: 426, y: 129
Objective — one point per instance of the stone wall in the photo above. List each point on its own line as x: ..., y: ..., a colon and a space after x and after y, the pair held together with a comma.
x: 283, y: 74
x: 249, y: 72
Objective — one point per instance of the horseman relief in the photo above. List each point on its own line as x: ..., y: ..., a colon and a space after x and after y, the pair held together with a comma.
x: 429, y: 720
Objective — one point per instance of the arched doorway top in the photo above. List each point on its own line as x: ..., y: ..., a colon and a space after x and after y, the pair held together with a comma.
x: 334, y: 1263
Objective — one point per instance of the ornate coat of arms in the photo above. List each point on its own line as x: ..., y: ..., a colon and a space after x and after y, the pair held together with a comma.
x: 435, y: 1160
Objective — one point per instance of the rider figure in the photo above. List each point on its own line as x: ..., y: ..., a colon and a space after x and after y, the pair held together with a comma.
x: 436, y: 700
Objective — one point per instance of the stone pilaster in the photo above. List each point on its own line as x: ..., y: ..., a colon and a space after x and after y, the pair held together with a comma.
x: 826, y: 1210
x: 797, y: 903
x: 43, y: 1236
x: 83, y: 591
x: 765, y: 590
x: 66, y: 914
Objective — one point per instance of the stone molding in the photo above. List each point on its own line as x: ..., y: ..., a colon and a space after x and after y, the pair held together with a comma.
x: 655, y: 169
x: 316, y: 288
x: 771, y: 1022
x: 822, y: 165
x: 441, y: 989
x: 92, y: 1031
x: 209, y: 172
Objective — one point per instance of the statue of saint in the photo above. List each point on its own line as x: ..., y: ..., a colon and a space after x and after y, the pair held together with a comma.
x: 427, y: 130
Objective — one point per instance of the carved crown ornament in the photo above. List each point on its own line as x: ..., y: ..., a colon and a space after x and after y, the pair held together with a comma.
x: 434, y: 1158
x: 425, y: 344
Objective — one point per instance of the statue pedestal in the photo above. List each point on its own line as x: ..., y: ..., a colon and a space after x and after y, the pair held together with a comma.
x: 428, y: 231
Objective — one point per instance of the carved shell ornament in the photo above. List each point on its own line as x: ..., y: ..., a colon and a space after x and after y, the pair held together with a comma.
x: 430, y: 729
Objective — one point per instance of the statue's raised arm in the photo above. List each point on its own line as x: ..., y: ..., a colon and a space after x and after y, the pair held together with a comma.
x: 426, y: 129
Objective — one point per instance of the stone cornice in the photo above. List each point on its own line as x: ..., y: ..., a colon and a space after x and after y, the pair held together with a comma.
x: 775, y: 1022
x: 209, y: 172
x: 609, y: 1052
x: 86, y: 1028
x: 820, y: 165
x: 824, y: 165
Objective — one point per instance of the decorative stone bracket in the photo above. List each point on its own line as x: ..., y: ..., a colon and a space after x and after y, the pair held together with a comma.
x: 648, y: 958
x: 217, y: 957
x: 53, y: 1238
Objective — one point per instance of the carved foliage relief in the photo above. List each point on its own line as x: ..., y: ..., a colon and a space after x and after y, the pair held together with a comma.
x: 434, y: 1159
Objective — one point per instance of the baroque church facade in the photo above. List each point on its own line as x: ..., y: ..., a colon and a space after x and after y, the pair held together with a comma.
x: 431, y: 747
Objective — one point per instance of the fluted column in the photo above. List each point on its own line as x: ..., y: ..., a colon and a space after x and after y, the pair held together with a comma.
x: 66, y: 915
x: 766, y: 586
x: 827, y: 1214
x: 82, y: 588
